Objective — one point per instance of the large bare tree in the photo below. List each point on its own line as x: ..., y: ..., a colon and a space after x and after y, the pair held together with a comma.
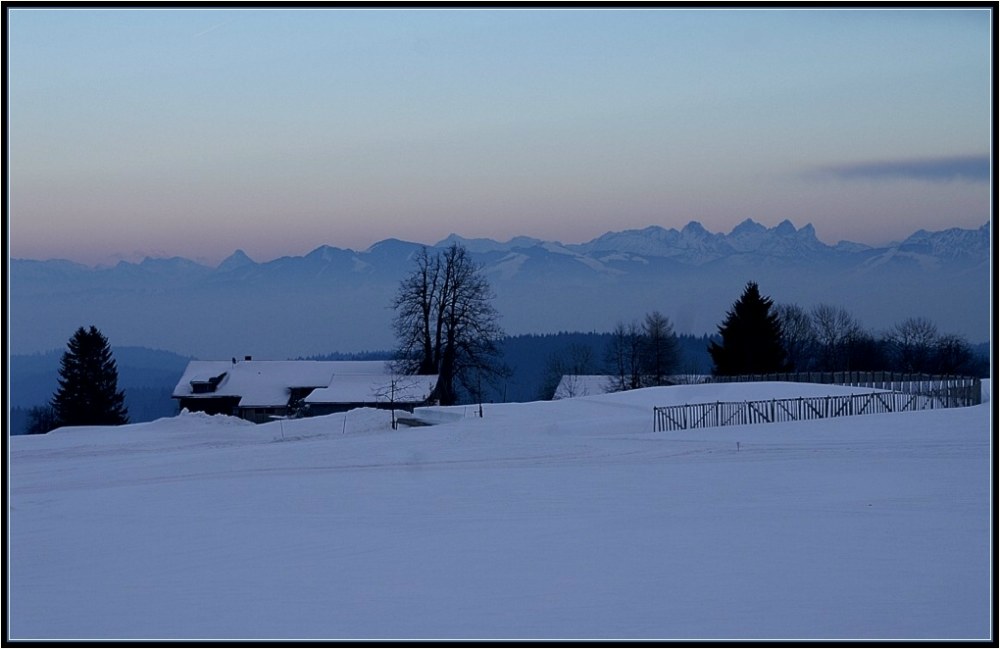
x: 446, y: 323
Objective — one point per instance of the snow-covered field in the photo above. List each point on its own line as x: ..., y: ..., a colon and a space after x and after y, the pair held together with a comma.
x: 561, y: 520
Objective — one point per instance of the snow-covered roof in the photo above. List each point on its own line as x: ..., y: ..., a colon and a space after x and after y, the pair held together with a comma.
x: 583, y: 385
x: 374, y: 388
x: 360, y: 367
x: 256, y: 383
x: 268, y: 384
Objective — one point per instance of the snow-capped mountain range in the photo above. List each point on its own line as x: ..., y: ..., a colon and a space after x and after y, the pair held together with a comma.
x: 336, y: 298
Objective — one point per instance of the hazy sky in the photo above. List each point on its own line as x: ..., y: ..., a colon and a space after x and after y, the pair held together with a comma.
x: 195, y: 132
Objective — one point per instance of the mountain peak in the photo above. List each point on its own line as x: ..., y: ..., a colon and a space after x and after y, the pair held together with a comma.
x: 694, y: 228
x: 391, y: 244
x: 454, y: 237
x: 326, y: 253
x: 236, y: 260
x: 748, y: 226
x: 785, y: 228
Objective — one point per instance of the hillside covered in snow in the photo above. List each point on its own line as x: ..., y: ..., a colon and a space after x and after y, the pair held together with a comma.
x: 550, y: 520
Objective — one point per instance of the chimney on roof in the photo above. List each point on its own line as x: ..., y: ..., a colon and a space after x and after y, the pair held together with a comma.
x: 248, y: 358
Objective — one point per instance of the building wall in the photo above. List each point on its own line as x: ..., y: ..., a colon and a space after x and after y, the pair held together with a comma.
x: 319, y: 409
x: 261, y: 415
x: 212, y: 406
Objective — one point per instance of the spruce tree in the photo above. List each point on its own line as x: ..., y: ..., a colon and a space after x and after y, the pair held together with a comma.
x: 88, y: 393
x: 751, y: 337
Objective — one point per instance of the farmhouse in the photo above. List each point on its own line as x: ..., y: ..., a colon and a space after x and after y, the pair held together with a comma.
x: 260, y: 391
x: 583, y: 385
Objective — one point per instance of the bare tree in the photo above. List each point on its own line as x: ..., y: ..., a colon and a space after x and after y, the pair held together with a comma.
x: 634, y: 355
x: 798, y: 336
x: 952, y: 355
x: 417, y: 326
x: 912, y: 343
x: 624, y: 357
x: 398, y: 387
x: 835, y: 328
x: 41, y: 419
x: 659, y: 349
x: 446, y: 324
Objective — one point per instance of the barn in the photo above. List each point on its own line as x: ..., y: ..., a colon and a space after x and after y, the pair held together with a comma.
x: 262, y: 391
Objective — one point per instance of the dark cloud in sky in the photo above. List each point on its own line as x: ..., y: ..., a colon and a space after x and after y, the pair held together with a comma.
x: 974, y: 168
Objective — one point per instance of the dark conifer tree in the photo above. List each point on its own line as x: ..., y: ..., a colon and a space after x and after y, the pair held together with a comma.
x: 88, y: 393
x: 751, y: 337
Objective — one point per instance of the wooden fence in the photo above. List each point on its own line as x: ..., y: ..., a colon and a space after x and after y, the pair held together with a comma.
x: 947, y: 391
x: 734, y: 413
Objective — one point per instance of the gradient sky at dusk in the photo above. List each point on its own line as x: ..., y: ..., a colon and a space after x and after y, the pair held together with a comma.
x: 194, y: 132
